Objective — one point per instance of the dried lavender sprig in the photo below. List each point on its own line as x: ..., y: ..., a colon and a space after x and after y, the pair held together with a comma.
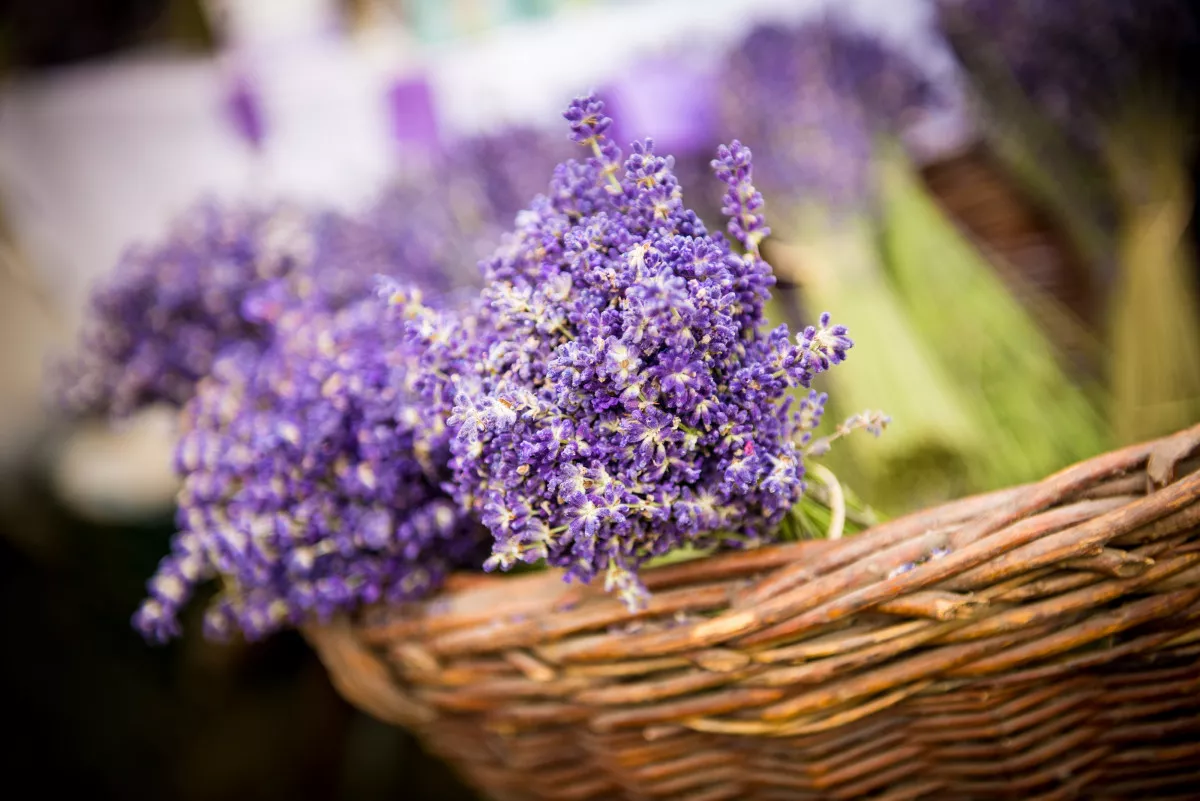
x: 872, y: 421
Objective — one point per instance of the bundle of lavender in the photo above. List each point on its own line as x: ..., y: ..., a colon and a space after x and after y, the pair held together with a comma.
x: 312, y: 480
x: 812, y: 99
x: 1097, y: 101
x: 612, y: 397
x: 615, y: 394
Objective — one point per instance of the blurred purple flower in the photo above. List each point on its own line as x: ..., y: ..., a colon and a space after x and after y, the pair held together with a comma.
x: 244, y: 107
x: 155, y: 325
x: 669, y: 99
x: 810, y: 98
x: 1078, y: 60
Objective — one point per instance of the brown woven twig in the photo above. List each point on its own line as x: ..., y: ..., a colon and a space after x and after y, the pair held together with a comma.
x: 1051, y: 652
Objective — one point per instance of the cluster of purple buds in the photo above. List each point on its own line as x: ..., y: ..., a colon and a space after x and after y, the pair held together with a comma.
x: 155, y: 327
x: 313, y: 480
x: 615, y: 395
x: 812, y: 97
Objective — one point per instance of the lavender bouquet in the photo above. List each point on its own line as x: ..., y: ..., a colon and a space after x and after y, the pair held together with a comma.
x: 614, y: 393
x: 312, y: 480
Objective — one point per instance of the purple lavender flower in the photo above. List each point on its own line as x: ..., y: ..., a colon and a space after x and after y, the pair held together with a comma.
x: 412, y: 113
x: 669, y: 96
x: 244, y: 109
x: 614, y: 394
x: 312, y: 480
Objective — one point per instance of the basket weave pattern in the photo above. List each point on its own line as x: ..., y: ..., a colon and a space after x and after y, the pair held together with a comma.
x: 1052, y: 652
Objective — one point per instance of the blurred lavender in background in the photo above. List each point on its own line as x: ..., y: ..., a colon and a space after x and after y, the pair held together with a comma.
x: 412, y: 114
x: 244, y: 107
x: 487, y: 178
x: 223, y: 276
x: 670, y: 98
x: 156, y: 325
x: 812, y: 97
x: 1075, y: 60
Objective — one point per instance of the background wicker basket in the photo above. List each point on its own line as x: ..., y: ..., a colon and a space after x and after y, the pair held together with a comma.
x: 1038, y: 642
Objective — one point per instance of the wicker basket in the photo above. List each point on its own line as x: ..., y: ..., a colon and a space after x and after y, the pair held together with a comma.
x: 1053, y: 652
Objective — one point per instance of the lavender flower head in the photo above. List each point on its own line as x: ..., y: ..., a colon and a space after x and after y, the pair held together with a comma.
x: 614, y: 395
x: 312, y: 480
x: 156, y: 325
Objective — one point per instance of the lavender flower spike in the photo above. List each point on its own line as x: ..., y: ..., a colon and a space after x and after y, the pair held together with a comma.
x: 743, y: 203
